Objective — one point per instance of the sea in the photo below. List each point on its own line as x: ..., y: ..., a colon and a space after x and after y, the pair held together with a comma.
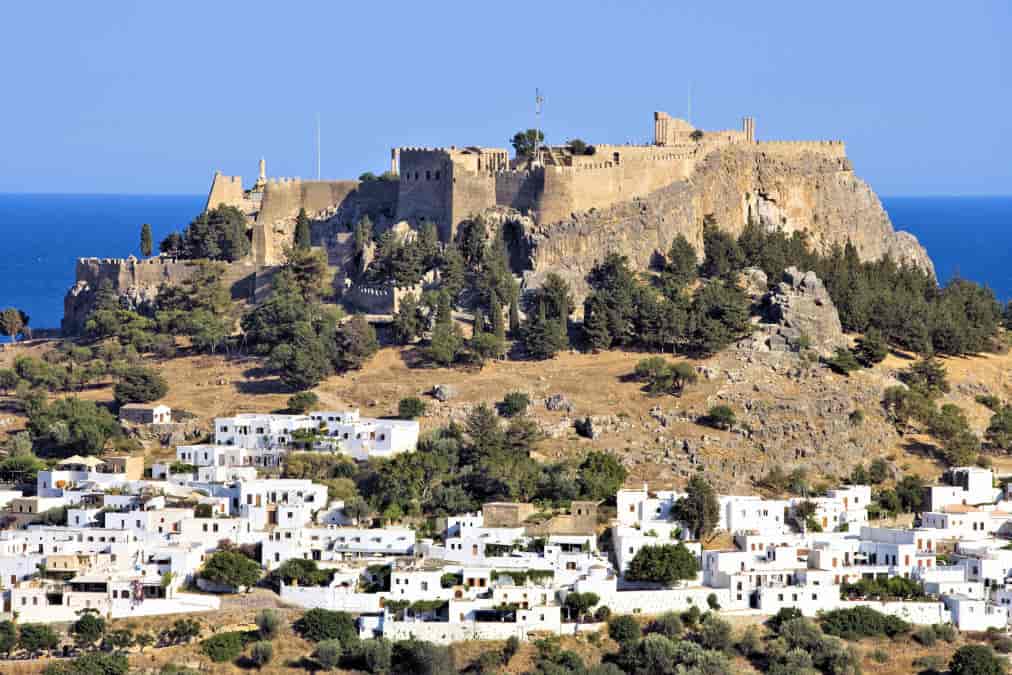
x: 42, y: 235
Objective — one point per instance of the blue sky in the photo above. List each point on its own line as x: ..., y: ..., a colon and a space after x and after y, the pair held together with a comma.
x: 152, y: 97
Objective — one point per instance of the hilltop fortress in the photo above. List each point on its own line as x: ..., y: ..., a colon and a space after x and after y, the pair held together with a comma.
x: 567, y: 208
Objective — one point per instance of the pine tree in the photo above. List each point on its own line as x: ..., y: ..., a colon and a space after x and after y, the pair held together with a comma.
x: 479, y: 323
x: 146, y: 244
x: 543, y: 338
x: 302, y: 230
x: 407, y: 321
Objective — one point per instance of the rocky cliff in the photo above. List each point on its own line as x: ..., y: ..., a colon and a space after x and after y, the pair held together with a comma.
x: 805, y: 192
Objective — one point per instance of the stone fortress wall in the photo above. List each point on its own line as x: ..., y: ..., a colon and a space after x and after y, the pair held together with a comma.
x: 449, y: 185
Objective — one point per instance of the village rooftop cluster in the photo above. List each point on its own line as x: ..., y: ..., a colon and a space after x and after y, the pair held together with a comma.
x: 136, y: 546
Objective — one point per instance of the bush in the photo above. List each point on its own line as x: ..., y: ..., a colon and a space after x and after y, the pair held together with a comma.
x: 261, y: 653
x: 666, y: 564
x: 711, y: 601
x: 926, y: 636
x: 140, y: 385
x: 317, y: 625
x: 930, y: 663
x: 879, y: 656
x: 329, y: 653
x: 373, y: 656
x: 859, y: 622
x: 268, y: 623
x: 668, y: 624
x: 1002, y: 645
x: 514, y: 403
x: 602, y: 614
x: 976, y: 660
x: 223, y: 647
x: 411, y: 407
x: 624, y: 629
x: 718, y: 417
x: 715, y: 633
x: 946, y: 632
x: 91, y: 664
x: 777, y: 621
x: 302, y: 402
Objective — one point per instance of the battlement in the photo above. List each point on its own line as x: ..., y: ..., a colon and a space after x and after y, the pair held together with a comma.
x: 835, y: 149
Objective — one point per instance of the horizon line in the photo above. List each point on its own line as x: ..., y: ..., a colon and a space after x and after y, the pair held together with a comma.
x: 199, y: 194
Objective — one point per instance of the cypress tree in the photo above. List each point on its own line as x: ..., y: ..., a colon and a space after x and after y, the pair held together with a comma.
x: 302, y: 232
x: 514, y: 318
x: 146, y: 244
x: 495, y: 313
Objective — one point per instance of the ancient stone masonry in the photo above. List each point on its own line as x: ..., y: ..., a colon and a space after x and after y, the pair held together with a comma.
x: 136, y: 281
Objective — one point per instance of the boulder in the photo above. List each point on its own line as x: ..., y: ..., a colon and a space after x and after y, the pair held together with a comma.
x: 558, y: 402
x: 799, y: 311
x: 443, y: 392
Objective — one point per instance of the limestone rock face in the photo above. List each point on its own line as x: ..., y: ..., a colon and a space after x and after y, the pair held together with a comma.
x: 800, y: 306
x: 818, y: 195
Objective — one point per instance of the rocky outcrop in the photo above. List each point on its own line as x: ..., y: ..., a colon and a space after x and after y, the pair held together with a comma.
x: 799, y: 313
x: 810, y: 193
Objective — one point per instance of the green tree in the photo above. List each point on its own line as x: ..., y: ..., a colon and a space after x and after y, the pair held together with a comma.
x: 680, y: 266
x: 13, y: 322
x: 317, y: 625
x: 514, y: 403
x: 8, y: 380
x: 926, y: 376
x: 698, y: 509
x: 556, y: 296
x: 140, y: 385
x: 662, y: 377
x: 230, y: 568
x: 527, y: 142
x: 665, y: 564
x: 72, y: 425
x: 303, y: 237
x: 36, y: 638
x: 146, y: 244
x: 8, y: 637
x: 302, y: 402
x: 579, y: 604
x: 719, y: 417
x: 217, y: 234
x: 999, y: 430
x: 601, y: 475
x: 843, y: 361
x: 410, y: 408
x: 171, y: 245
x: 543, y: 337
x: 719, y: 314
x: 88, y: 630
x: 408, y: 320
x: 723, y: 256
x: 514, y: 318
x: 624, y: 630
x: 976, y: 660
x: 446, y: 343
x: 356, y: 343
x: 223, y: 647
x: 871, y: 348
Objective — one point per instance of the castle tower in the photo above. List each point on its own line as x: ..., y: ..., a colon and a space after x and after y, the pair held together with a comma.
x: 395, y: 160
x: 263, y: 169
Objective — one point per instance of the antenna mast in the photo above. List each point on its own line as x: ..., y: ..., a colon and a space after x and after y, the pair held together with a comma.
x: 317, y: 146
x: 539, y: 101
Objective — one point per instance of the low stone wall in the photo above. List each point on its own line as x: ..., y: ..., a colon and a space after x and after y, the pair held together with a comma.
x: 337, y: 599
x: 658, y: 601
x: 445, y: 633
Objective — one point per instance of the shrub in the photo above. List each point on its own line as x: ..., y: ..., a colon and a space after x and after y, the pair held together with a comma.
x: 946, y: 632
x: 514, y: 403
x: 317, y: 625
x: 411, y: 407
x: 859, y: 622
x: 223, y: 647
x: 715, y: 633
x: 602, y: 614
x: 711, y: 601
x: 302, y: 402
x: 261, y: 653
x: 750, y: 643
x: 976, y: 660
x: 879, y: 656
x: 268, y: 623
x: 1002, y: 645
x: 91, y: 664
x: 329, y: 653
x: 777, y: 621
x: 843, y: 361
x: 718, y: 417
x: 624, y: 629
x: 668, y: 624
x: 373, y: 656
x: 930, y: 663
x: 926, y: 636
